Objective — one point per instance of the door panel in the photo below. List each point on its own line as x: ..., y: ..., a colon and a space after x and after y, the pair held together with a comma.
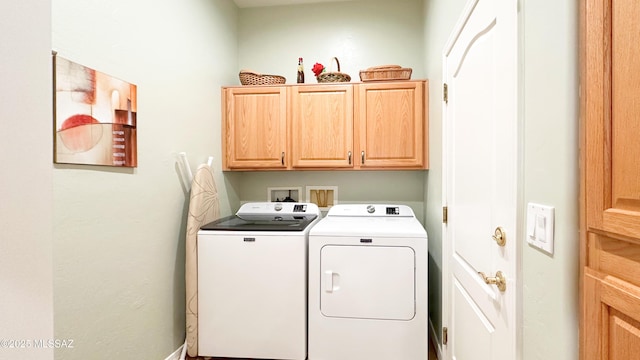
x: 241, y: 296
x: 368, y: 282
x: 473, y: 162
x: 626, y: 122
x: 610, y: 180
x: 471, y: 324
x: 481, y: 155
x: 614, y: 318
x: 624, y: 336
x: 612, y: 153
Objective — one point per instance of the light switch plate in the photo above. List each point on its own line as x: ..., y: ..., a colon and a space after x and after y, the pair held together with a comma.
x: 540, y: 226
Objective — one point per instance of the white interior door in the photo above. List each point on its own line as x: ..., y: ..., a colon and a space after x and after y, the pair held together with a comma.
x: 480, y: 185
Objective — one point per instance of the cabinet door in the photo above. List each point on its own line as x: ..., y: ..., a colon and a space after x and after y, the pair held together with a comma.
x: 322, y: 126
x: 391, y: 129
x: 255, y: 128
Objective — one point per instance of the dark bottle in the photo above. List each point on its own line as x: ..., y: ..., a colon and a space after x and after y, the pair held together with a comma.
x: 300, y: 71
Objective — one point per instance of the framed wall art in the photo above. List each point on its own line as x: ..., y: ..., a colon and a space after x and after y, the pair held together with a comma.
x: 94, y: 116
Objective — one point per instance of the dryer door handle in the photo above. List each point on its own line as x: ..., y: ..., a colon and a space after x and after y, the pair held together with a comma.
x: 331, y: 281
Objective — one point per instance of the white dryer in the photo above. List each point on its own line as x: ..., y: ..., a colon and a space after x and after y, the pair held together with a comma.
x: 252, y: 282
x: 368, y: 284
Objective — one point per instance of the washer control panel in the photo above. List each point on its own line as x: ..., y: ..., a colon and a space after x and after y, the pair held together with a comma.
x: 285, y: 210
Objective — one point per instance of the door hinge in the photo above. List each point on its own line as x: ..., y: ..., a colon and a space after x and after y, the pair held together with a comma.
x: 445, y: 214
x: 445, y: 93
x: 445, y: 336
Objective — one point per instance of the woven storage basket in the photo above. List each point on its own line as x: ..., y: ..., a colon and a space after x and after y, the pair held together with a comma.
x: 385, y: 73
x: 336, y: 76
x: 252, y: 78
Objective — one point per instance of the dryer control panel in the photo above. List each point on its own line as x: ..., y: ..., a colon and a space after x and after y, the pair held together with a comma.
x: 393, y: 210
x: 371, y: 210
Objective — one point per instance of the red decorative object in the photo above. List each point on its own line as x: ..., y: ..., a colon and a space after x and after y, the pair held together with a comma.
x: 317, y: 68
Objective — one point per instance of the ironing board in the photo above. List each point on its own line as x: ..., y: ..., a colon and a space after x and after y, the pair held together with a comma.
x: 203, y: 208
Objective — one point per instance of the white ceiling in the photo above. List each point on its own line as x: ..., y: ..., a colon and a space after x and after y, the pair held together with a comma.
x: 259, y: 3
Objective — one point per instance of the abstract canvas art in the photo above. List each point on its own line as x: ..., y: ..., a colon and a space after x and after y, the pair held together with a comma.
x: 94, y: 117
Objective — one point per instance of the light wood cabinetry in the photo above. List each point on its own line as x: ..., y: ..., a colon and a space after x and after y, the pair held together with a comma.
x: 391, y: 131
x: 325, y: 126
x: 610, y: 180
x: 254, y: 134
x: 322, y: 126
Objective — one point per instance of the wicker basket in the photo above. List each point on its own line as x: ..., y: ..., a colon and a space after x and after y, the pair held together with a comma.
x: 336, y: 76
x: 248, y: 77
x: 385, y: 73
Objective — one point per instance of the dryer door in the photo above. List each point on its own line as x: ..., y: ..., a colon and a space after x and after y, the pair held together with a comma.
x: 367, y: 282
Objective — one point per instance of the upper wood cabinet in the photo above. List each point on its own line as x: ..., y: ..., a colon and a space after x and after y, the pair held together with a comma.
x: 254, y: 132
x: 321, y: 126
x: 391, y: 129
x: 610, y: 180
x: 325, y: 126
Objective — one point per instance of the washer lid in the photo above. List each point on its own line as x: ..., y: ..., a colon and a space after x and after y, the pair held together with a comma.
x: 235, y: 223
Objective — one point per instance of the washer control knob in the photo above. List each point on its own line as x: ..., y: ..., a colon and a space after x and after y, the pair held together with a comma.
x: 371, y: 209
x: 278, y: 207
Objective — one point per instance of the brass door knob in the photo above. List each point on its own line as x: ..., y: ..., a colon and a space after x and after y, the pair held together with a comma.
x: 500, y: 236
x: 499, y: 280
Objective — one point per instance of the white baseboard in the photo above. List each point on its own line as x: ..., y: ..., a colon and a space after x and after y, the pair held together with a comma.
x: 176, y: 354
x: 433, y: 338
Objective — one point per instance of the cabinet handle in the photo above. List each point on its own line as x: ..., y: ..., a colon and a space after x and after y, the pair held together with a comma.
x: 349, y: 153
x: 282, y: 158
x: 362, y: 154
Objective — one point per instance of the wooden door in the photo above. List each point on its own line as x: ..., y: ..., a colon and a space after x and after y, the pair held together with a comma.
x: 391, y: 129
x: 254, y: 128
x: 480, y: 183
x: 322, y: 126
x: 610, y: 179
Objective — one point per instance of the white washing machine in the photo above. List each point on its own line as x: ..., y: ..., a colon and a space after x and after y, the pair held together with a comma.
x: 252, y: 282
x: 368, y: 284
